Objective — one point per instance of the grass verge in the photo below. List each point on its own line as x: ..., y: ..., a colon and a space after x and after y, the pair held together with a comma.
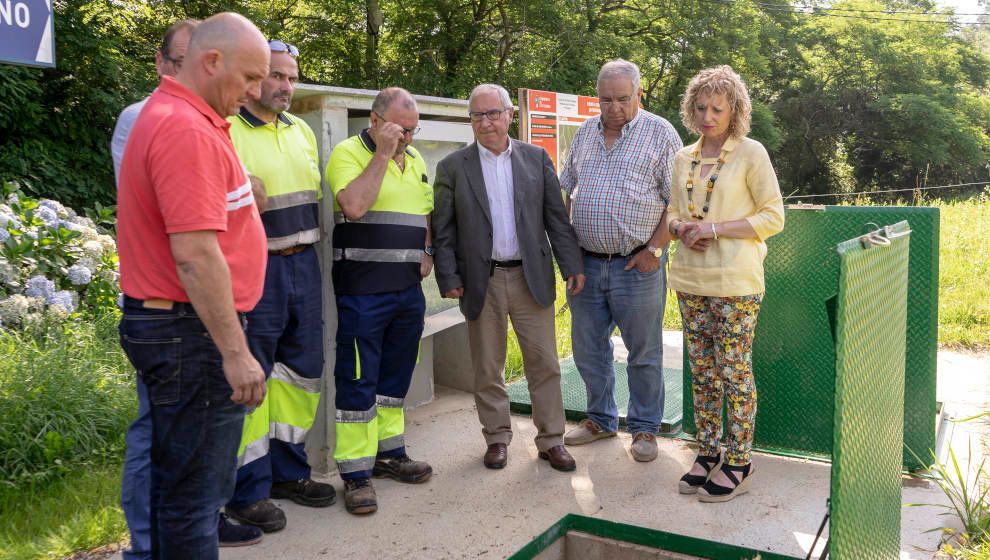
x: 66, y: 398
x: 77, y: 511
x: 964, y: 273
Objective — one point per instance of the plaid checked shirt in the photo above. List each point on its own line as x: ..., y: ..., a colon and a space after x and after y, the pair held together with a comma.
x: 618, y: 195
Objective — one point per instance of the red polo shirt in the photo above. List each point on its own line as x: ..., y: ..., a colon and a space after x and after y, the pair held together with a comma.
x: 180, y: 173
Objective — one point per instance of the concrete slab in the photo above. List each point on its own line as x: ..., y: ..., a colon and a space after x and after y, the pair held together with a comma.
x: 468, y: 511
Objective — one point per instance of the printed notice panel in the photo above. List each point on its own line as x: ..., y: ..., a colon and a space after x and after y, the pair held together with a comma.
x: 550, y: 119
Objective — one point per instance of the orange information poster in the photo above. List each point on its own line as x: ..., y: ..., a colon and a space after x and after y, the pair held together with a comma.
x: 551, y: 120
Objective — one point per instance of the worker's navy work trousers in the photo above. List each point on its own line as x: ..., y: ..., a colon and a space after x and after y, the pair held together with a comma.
x: 285, y: 335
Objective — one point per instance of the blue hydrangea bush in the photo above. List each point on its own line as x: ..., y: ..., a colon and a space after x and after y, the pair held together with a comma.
x: 55, y: 263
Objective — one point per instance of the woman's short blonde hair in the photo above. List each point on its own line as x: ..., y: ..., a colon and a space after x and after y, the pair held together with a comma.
x: 715, y: 81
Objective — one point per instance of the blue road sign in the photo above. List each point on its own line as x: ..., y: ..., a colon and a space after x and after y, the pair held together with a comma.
x: 27, y: 35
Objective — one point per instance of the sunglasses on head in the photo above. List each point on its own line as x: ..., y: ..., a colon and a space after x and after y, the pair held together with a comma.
x: 282, y: 46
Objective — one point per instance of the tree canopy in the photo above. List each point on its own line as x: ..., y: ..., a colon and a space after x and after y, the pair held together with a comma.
x: 842, y: 102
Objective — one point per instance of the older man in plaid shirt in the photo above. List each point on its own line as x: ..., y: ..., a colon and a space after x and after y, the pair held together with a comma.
x: 617, y: 178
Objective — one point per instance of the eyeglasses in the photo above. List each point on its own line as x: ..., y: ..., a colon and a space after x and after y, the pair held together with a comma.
x: 413, y: 131
x: 176, y: 61
x: 620, y: 101
x: 493, y: 115
x: 282, y: 46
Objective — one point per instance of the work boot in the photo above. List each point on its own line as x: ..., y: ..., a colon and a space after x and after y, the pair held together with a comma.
x: 237, y: 535
x: 586, y: 432
x: 263, y: 514
x: 402, y: 469
x: 305, y: 492
x: 644, y: 446
x: 359, y: 496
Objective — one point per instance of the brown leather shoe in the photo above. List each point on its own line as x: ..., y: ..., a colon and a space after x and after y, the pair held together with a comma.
x: 496, y: 456
x: 359, y: 496
x: 402, y: 469
x: 559, y: 458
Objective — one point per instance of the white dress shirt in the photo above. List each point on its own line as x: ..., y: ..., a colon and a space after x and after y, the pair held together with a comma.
x: 497, y: 170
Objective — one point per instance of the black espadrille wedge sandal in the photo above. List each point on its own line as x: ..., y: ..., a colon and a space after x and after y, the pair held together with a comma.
x: 690, y: 483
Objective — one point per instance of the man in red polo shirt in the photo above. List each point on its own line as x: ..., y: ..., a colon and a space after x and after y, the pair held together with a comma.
x: 192, y: 261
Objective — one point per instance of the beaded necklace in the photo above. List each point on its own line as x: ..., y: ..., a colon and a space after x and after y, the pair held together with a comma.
x: 710, y: 186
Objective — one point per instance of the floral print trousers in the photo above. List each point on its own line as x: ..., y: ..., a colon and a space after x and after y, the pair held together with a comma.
x: 719, y: 336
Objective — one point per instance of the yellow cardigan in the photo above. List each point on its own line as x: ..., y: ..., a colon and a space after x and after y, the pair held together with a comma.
x: 746, y: 188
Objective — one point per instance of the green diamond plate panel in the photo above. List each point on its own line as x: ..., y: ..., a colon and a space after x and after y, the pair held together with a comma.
x: 871, y: 325
x: 794, y: 349
x: 575, y: 397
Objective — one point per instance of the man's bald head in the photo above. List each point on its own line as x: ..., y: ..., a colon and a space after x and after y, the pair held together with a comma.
x: 226, y: 32
x: 225, y: 63
x: 390, y: 95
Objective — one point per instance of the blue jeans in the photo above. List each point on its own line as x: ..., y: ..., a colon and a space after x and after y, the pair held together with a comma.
x: 135, y: 491
x: 196, y: 428
x: 634, y: 302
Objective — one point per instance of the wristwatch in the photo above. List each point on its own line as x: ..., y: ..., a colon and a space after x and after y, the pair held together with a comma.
x: 429, y: 250
x: 657, y: 252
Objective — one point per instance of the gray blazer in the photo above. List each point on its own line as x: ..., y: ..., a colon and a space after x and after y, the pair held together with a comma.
x: 462, y: 225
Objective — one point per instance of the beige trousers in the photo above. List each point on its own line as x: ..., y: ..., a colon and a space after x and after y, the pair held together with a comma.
x: 508, y: 296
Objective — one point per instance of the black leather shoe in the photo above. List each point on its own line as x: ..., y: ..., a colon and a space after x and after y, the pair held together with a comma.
x: 496, y: 456
x: 262, y: 514
x: 305, y: 492
x: 237, y: 535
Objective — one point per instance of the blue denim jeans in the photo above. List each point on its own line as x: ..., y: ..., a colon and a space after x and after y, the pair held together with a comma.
x: 196, y: 428
x: 135, y: 490
x: 634, y: 302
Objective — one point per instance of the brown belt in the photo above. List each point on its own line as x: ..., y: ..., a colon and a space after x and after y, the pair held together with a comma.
x: 289, y: 251
x: 157, y: 304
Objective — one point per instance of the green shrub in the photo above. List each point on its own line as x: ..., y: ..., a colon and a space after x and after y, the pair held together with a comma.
x: 53, y: 261
x: 67, y: 397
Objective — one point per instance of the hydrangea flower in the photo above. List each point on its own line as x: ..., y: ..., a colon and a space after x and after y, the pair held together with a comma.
x: 63, y: 298
x: 32, y: 233
x: 71, y: 226
x: 88, y: 233
x: 109, y: 244
x: 47, y: 215
x: 84, y: 221
x: 39, y: 287
x: 36, y: 304
x: 79, y: 275
x: 13, y: 199
x: 8, y: 272
x: 54, y: 206
x: 4, y: 235
x: 56, y: 313
x: 14, y: 308
x: 9, y: 219
x: 4, y: 209
x: 93, y: 249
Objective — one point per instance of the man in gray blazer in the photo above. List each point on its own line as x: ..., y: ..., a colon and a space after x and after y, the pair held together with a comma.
x: 498, y: 212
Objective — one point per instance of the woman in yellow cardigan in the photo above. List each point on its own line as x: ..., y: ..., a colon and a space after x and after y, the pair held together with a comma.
x: 724, y: 204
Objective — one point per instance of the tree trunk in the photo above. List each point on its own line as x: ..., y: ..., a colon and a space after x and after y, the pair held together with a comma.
x: 375, y: 21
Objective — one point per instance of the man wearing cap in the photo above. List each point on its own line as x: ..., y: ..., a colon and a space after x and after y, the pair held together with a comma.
x: 285, y: 329
x: 382, y: 252
x: 192, y: 262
